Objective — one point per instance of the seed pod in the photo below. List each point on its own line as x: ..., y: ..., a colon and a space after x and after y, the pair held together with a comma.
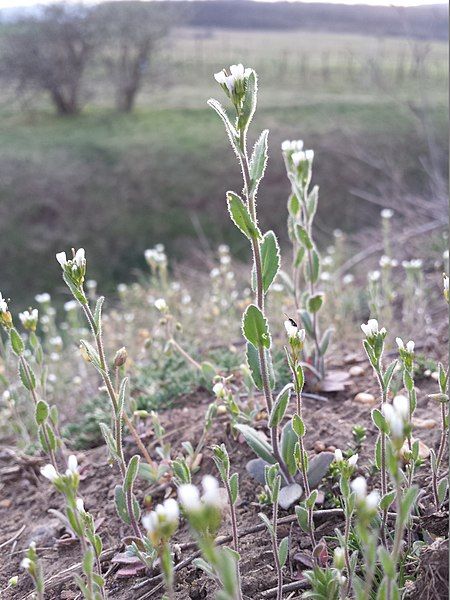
x: 121, y: 357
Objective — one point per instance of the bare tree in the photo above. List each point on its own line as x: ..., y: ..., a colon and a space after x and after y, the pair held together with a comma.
x: 49, y: 51
x: 132, y: 32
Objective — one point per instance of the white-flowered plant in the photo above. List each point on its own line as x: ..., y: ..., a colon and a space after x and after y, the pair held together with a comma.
x: 32, y: 565
x: 82, y: 524
x: 306, y: 268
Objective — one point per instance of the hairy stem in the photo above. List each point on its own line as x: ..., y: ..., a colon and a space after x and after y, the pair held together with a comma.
x: 234, y: 532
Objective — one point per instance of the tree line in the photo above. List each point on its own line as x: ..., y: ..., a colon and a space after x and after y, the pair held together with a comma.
x: 51, y: 49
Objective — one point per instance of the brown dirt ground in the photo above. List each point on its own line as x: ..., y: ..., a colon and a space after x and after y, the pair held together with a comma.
x: 25, y: 500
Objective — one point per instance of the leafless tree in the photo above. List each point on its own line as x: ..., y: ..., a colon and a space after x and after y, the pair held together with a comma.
x: 132, y: 32
x: 49, y: 51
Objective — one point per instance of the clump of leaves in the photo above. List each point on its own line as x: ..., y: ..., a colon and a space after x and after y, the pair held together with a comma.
x: 86, y: 432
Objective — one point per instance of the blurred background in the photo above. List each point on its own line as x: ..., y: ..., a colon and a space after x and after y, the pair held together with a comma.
x: 106, y: 140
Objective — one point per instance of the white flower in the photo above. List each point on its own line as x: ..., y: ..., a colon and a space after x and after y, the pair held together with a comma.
x: 80, y: 505
x: 359, y: 486
x: 445, y: 278
x: 161, y: 304
x: 349, y: 278
x: 237, y: 74
x: 150, y: 521
x: 353, y: 460
x: 293, y: 331
x: 401, y: 406
x: 387, y: 213
x: 72, y: 464
x: 49, y: 472
x: 338, y: 455
x: 400, y: 344
x: 302, y: 156
x: 171, y: 510
x: 211, y: 491
x: 80, y: 258
x: 292, y: 146
x: 70, y: 305
x: 26, y: 317
x: 219, y: 389
x: 394, y: 420
x: 6, y: 396
x: 42, y: 298
x: 62, y: 259
x: 189, y: 496
x: 3, y: 304
x: 26, y: 564
x: 373, y: 275
x: 410, y: 346
x: 371, y: 328
x: 373, y: 499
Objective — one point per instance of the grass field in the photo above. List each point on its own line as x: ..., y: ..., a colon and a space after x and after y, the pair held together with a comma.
x: 121, y: 183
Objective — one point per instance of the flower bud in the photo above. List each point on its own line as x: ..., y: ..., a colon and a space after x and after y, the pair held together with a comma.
x: 339, y: 558
x: 121, y: 357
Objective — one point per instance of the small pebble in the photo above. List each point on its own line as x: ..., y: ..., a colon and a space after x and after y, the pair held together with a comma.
x: 356, y: 371
x: 319, y: 446
x: 366, y: 399
x: 424, y: 423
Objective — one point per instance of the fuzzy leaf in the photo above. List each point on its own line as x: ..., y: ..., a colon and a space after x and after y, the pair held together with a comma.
x: 232, y: 135
x: 234, y: 487
x: 16, y: 342
x: 270, y: 259
x: 27, y: 377
x: 121, y: 396
x: 241, y: 217
x: 303, y: 236
x: 288, y: 441
x: 325, y: 341
x: 258, y: 161
x: 312, y: 268
x: 266, y: 521
x: 249, y: 104
x: 255, y: 327
x: 283, y: 550
x: 315, y: 302
x: 280, y: 406
x: 131, y: 472
x: 41, y: 412
x: 98, y: 314
x: 259, y: 446
x: 379, y: 420
x: 298, y: 425
x: 254, y: 366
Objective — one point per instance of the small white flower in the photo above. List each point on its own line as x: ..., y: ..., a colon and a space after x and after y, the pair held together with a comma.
x: 42, y: 298
x: 373, y: 499
x: 219, y: 389
x: 62, y: 259
x: 211, y: 491
x: 394, y: 420
x: 445, y: 279
x: 291, y: 329
x: 80, y: 505
x: 349, y: 278
x: 26, y: 564
x: 359, y: 486
x: 49, y: 472
x: 338, y: 457
x: 400, y: 344
x: 387, y: 213
x: 371, y: 328
x: 161, y: 304
x: 292, y: 146
x: 189, y: 496
x: 353, y: 460
x: 171, y: 510
x: 150, y: 521
x: 401, y: 406
x: 410, y: 346
x: 373, y: 276
x: 3, y: 304
x: 72, y: 464
x: 80, y: 258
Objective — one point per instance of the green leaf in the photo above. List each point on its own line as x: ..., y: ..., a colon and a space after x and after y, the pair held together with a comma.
x: 387, y: 500
x: 388, y: 375
x: 88, y: 561
x: 76, y: 290
x: 311, y: 202
x: 407, y: 503
x: 288, y: 441
x: 315, y: 302
x: 325, y: 341
x: 270, y: 259
x: 280, y: 406
x: 98, y: 314
x: 303, y: 236
x: 232, y: 134
x: 109, y: 440
x: 378, y: 453
x: 131, y: 472
x: 234, y: 487
x: 301, y: 252
x: 307, y: 323
x: 121, y: 505
x: 255, y: 327
x: 258, y: 161
x: 379, y: 420
x: 283, y: 550
x: 302, y: 517
x: 293, y: 205
x: 16, y: 342
x: 121, y: 396
x: 255, y: 369
x: 386, y: 562
x: 312, y: 267
x: 249, y: 104
x: 27, y: 377
x: 241, y: 217
x: 298, y: 425
x: 267, y: 523
x: 41, y: 412
x: 258, y: 445
x: 442, y: 490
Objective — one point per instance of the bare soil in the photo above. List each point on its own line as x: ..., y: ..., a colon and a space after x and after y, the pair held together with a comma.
x: 26, y: 503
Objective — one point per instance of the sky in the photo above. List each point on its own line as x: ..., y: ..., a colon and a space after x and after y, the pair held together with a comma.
x: 20, y: 3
